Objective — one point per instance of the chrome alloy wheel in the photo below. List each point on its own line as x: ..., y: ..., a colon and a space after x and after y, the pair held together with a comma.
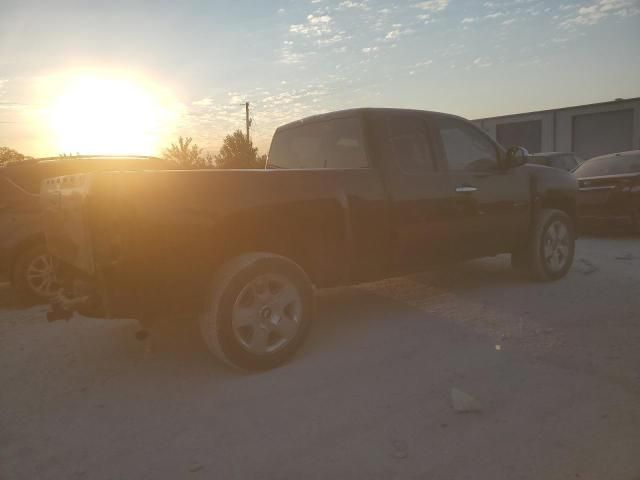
x: 556, y: 246
x: 266, y: 314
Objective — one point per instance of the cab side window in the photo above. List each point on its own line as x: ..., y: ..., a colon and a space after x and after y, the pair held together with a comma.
x: 466, y: 148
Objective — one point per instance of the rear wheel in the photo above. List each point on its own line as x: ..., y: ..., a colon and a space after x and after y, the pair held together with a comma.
x: 33, y: 274
x: 549, y: 253
x: 259, y: 313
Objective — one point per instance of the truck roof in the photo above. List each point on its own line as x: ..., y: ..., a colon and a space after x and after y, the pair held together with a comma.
x: 351, y: 112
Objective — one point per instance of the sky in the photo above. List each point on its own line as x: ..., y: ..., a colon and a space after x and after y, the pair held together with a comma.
x: 81, y: 76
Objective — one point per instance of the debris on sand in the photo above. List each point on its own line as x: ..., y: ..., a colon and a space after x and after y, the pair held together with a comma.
x: 462, y: 402
x: 585, y: 267
x: 400, y: 448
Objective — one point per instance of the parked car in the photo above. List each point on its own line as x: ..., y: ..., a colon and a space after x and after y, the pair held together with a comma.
x: 347, y: 197
x: 609, y: 189
x: 23, y: 257
x: 561, y: 160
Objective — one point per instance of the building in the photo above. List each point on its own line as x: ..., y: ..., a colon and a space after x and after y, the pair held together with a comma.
x: 588, y: 130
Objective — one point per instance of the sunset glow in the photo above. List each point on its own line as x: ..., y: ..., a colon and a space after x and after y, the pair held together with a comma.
x: 102, y: 114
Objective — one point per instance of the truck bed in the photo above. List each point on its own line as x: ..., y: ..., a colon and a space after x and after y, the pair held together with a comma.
x: 146, y: 229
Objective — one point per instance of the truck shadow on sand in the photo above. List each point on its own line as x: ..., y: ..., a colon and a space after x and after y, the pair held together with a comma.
x: 343, y: 315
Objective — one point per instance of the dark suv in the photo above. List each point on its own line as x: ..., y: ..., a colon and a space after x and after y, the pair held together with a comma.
x: 23, y: 257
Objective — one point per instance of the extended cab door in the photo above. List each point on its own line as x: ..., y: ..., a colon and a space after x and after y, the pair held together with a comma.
x: 487, y: 203
x: 404, y: 150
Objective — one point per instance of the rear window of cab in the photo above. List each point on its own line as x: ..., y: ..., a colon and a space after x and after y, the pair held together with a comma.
x: 332, y: 144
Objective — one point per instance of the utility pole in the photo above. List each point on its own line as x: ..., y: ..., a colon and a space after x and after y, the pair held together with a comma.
x: 247, y: 118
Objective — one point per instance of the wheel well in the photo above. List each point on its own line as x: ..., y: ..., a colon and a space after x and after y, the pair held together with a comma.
x: 566, y: 204
x: 286, y: 249
x: 299, y: 252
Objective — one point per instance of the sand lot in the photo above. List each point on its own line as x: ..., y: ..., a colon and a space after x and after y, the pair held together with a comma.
x: 555, y: 368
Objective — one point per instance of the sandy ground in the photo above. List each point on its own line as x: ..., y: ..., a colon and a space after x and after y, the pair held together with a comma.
x: 555, y: 368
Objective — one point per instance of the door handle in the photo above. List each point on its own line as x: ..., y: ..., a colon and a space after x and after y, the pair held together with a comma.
x: 465, y: 189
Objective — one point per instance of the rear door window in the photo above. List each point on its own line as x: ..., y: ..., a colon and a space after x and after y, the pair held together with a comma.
x: 336, y: 143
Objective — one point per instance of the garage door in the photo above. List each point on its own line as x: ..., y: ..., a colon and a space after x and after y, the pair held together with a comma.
x: 600, y: 133
x: 522, y: 134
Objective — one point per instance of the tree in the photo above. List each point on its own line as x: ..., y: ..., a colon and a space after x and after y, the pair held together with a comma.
x: 237, y: 151
x: 10, y: 155
x: 185, y: 155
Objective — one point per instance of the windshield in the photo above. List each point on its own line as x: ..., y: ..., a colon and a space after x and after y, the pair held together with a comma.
x: 614, y: 165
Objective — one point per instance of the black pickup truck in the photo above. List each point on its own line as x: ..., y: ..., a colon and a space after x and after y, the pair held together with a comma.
x: 347, y: 197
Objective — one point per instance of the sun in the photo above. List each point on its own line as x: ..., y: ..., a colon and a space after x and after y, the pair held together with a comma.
x: 109, y: 115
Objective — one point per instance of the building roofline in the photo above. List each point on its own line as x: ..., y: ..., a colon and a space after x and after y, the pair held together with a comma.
x: 549, y: 110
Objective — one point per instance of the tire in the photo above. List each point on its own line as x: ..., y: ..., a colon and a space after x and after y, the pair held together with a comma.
x: 549, y: 253
x: 259, y: 311
x: 33, y: 276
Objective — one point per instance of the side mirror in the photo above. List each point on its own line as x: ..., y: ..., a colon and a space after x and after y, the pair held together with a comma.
x: 516, y: 156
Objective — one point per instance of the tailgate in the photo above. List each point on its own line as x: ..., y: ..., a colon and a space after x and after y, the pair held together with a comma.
x: 64, y: 203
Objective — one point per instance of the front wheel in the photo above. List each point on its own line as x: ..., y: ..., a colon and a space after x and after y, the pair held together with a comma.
x: 259, y: 311
x: 549, y: 253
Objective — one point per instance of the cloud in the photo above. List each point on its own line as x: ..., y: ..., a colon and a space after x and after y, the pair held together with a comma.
x: 203, y: 102
x: 397, y: 31
x: 369, y: 49
x: 289, y: 57
x: 337, y: 38
x: 490, y: 16
x: 595, y: 12
x: 424, y: 64
x: 348, y: 4
x: 317, y: 25
x: 482, y: 62
x: 433, y: 5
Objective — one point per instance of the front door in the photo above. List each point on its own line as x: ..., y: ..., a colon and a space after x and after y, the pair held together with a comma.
x: 488, y: 204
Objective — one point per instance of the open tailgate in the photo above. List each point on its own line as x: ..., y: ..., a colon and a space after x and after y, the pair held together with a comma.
x: 64, y: 204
